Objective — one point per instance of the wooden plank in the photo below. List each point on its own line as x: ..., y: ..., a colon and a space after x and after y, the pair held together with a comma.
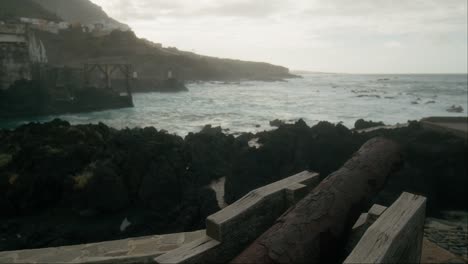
x: 194, y: 252
x: 375, y: 212
x: 257, y: 209
x: 396, y: 236
x: 295, y: 193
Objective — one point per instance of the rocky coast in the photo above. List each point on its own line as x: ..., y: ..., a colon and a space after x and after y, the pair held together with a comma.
x: 63, y: 184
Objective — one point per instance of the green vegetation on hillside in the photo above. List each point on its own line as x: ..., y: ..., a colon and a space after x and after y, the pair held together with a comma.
x: 82, y: 11
x: 152, y: 62
x: 10, y: 9
x: 73, y: 47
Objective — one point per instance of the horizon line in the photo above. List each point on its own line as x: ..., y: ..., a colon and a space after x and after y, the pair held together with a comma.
x: 381, y: 73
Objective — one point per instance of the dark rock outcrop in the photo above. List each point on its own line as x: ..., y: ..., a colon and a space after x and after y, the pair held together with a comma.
x: 363, y: 124
x: 277, y: 123
x: 210, y: 153
x: 434, y: 166
x: 62, y: 184
x: 87, y: 174
x: 455, y: 109
x: 288, y: 150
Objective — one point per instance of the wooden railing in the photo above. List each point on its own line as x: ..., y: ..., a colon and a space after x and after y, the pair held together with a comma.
x: 233, y: 228
x: 396, y: 236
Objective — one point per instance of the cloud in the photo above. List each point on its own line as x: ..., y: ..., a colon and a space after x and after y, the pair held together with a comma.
x: 241, y: 8
x: 374, y: 15
x: 393, y: 44
x: 152, y: 9
x: 314, y: 34
x: 390, y: 17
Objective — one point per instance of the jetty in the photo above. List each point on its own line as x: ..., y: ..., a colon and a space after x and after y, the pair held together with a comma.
x: 30, y: 86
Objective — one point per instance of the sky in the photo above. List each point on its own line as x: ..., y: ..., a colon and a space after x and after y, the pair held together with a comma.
x: 346, y: 36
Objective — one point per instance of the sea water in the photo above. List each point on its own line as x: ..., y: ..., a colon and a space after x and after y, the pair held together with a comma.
x: 249, y: 106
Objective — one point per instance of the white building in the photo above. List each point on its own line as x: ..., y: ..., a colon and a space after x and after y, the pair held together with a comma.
x: 44, y: 25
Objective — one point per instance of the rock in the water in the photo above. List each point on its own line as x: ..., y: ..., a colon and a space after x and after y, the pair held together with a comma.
x: 455, y: 109
x: 277, y: 123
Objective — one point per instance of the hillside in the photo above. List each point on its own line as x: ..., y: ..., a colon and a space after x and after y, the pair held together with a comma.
x: 73, y: 48
x: 82, y: 11
x: 10, y: 9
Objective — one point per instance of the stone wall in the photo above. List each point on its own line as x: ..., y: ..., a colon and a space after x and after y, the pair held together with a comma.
x: 14, y: 63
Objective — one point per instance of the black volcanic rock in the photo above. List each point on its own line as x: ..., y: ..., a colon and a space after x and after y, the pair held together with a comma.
x: 363, y: 124
x: 455, y: 109
x: 66, y: 184
x: 87, y: 189
x: 290, y: 149
x: 435, y: 166
x: 210, y: 154
x: 277, y: 123
x: 88, y: 172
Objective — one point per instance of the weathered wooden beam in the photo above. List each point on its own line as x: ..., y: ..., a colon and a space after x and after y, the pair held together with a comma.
x: 311, y: 231
x: 396, y: 236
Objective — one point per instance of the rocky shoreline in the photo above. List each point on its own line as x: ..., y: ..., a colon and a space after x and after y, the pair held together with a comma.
x: 62, y: 184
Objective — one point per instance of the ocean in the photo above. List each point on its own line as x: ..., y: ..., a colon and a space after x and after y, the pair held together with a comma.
x: 249, y: 106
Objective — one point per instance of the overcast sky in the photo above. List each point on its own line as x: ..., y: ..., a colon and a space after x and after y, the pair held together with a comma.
x: 352, y: 36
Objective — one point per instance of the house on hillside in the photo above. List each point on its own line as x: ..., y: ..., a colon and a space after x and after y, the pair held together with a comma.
x: 44, y: 25
x: 63, y: 25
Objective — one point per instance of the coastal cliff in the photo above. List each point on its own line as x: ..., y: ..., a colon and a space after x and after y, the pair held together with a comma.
x: 79, y: 11
x: 77, y: 44
x: 74, y: 47
x: 11, y: 9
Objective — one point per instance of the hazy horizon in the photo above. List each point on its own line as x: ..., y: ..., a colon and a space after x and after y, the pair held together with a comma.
x: 338, y: 36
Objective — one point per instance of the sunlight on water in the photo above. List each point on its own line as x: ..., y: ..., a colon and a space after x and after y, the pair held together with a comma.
x: 249, y: 106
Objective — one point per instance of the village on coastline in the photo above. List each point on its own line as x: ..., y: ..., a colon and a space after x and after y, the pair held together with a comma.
x: 31, y: 86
